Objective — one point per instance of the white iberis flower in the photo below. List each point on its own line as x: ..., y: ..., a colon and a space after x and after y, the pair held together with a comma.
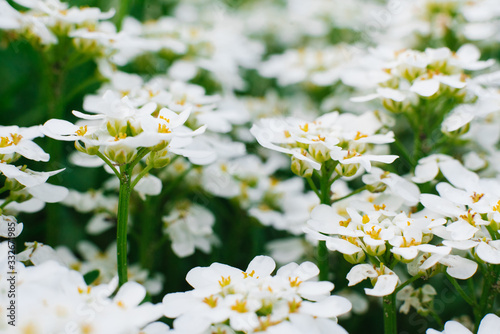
x: 93, y: 259
x: 489, y: 325
x: 320, y: 67
x: 255, y: 301
x: 346, y: 140
x: 28, y: 190
x: 190, y: 226
x: 117, y: 130
x: 52, y: 299
x: 46, y: 20
x: 403, y: 78
x: 472, y: 207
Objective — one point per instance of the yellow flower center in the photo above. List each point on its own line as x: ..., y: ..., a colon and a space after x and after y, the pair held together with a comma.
x: 245, y: 275
x: 240, y: 306
x: 294, y: 305
x: 211, y: 301
x: 295, y: 282
x: 121, y: 135
x: 162, y: 128
x: 225, y: 281
x: 375, y: 234
x: 469, y: 217
x: 81, y: 131
x: 476, y: 197
x: 359, y: 135
x: 345, y: 223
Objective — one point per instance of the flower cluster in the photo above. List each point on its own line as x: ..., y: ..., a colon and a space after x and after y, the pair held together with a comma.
x: 28, y: 190
x: 54, y: 298
x: 359, y: 138
x: 345, y: 141
x: 255, y: 301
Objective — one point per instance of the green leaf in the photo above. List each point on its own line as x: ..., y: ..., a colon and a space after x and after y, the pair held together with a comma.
x: 91, y: 276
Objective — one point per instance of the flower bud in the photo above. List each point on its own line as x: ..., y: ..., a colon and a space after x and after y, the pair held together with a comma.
x: 13, y: 185
x: 158, y: 159
x: 375, y: 250
x: 301, y: 168
x: 319, y: 152
x: 120, y: 154
x: 20, y: 196
x: 377, y: 187
x: 346, y: 169
x: 355, y: 258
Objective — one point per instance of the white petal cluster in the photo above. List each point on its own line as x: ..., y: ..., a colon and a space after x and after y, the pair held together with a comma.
x: 47, y: 20
x: 189, y: 227
x: 255, y: 301
x: 321, y: 67
x: 403, y: 78
x: 344, y: 138
x: 471, y: 206
x: 28, y: 189
x: 52, y: 298
x: 117, y: 130
x: 489, y: 325
x: 93, y: 260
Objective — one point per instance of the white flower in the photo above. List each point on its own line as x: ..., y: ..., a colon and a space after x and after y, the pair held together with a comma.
x: 118, y: 129
x: 9, y: 228
x: 343, y: 138
x: 189, y: 226
x: 322, y: 67
x: 489, y: 325
x: 385, y: 280
x: 59, y: 299
x: 16, y: 142
x: 253, y: 300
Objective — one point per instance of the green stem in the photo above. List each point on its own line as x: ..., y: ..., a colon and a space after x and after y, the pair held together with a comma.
x: 437, y: 318
x: 390, y: 315
x: 4, y: 204
x: 409, y: 281
x: 175, y: 182
x: 322, y: 251
x: 141, y: 153
x: 357, y: 191
x: 494, y: 233
x: 461, y: 291
x: 147, y: 238
x: 488, y: 294
x: 4, y: 189
x: 313, y: 186
x: 123, y: 10
x: 470, y: 285
x: 122, y: 221
x: 141, y: 175
x: 55, y: 109
x: 109, y: 163
x: 323, y: 261
x: 404, y: 153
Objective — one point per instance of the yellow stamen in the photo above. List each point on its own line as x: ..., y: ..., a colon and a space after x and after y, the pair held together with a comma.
x: 295, y: 282
x: 293, y: 306
x: 211, y: 301
x: 81, y: 131
x: 359, y: 135
x: 304, y: 127
x: 240, y: 306
x: 476, y: 197
x: 225, y: 281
